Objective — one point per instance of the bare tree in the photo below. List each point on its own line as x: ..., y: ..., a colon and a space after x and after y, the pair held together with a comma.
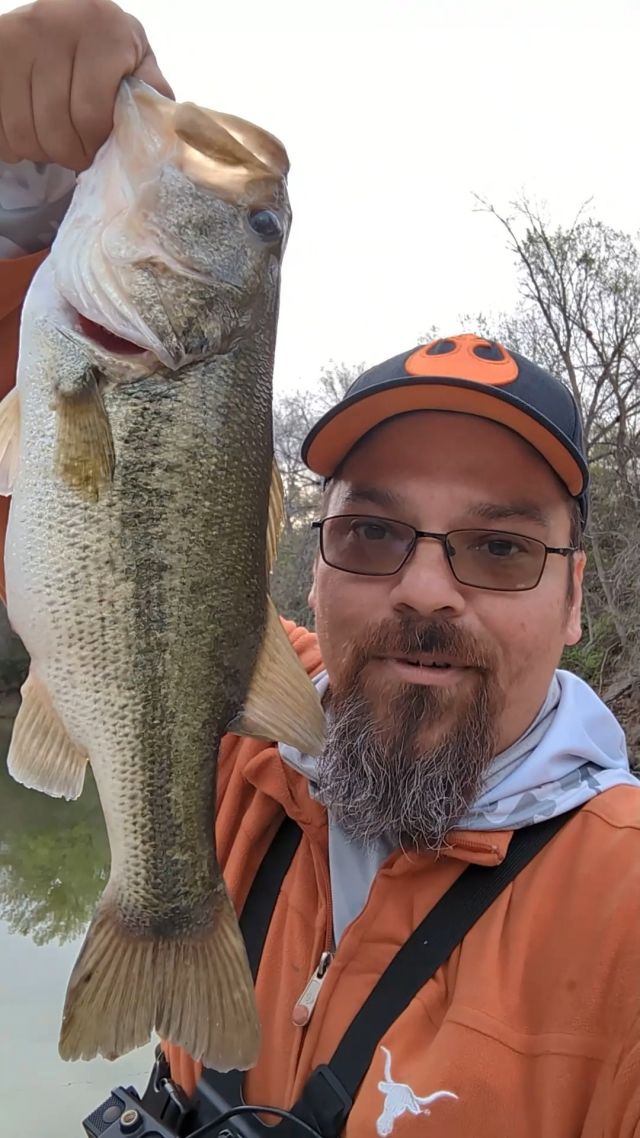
x: 293, y: 417
x: 579, y: 316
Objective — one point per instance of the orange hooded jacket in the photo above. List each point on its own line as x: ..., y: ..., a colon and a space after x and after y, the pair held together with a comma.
x: 533, y: 1024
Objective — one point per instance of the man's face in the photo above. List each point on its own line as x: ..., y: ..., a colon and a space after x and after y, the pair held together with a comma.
x: 401, y: 730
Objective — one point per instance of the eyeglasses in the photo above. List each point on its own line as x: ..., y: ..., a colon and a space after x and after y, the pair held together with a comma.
x: 482, y: 558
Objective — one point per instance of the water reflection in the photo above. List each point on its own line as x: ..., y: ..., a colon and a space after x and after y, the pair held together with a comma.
x: 53, y: 865
x: 54, y: 858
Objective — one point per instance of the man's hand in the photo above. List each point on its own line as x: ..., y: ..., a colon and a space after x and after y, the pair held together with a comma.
x: 61, y: 63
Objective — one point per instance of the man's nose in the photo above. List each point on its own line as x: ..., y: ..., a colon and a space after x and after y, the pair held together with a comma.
x: 426, y: 584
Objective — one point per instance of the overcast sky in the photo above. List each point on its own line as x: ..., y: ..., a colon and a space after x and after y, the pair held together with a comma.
x: 394, y: 112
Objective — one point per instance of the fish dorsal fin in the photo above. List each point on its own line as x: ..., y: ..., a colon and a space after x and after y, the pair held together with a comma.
x: 276, y: 515
x: 9, y: 441
x: 282, y: 705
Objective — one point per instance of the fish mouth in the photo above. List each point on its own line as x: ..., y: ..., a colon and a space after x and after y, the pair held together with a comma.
x: 118, y: 350
x: 107, y: 340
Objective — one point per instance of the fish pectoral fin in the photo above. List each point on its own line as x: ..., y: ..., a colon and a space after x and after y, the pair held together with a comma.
x: 9, y: 440
x: 276, y: 515
x: 84, y: 454
x: 41, y: 754
x: 282, y: 704
x: 194, y: 989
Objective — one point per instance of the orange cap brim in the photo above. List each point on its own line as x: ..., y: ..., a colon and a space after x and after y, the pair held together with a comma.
x: 339, y: 431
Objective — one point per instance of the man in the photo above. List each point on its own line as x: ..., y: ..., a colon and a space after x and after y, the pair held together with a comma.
x: 447, y: 583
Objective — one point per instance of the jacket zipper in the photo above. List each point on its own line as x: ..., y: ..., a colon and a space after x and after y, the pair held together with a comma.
x: 474, y: 847
x: 306, y: 1002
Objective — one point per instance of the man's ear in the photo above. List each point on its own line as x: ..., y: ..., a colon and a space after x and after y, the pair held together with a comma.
x: 573, y: 631
x: 311, y: 599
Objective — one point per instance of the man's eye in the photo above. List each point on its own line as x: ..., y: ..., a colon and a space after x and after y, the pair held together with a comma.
x: 370, y: 531
x: 499, y: 547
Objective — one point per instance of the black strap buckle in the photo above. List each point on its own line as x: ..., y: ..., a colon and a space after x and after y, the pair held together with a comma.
x: 324, y: 1103
x: 164, y: 1100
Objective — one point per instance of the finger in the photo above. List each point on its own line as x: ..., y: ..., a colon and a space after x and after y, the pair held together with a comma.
x: 150, y: 73
x: 103, y: 57
x: 93, y: 92
x: 17, y: 115
x: 54, y: 129
x: 6, y: 151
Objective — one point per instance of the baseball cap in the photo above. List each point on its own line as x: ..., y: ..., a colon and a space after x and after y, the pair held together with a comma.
x: 468, y: 374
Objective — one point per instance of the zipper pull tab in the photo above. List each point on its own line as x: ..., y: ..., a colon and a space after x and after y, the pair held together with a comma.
x: 303, y: 1009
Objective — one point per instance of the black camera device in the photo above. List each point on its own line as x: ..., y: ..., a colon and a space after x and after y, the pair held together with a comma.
x: 217, y: 1110
x: 123, y: 1113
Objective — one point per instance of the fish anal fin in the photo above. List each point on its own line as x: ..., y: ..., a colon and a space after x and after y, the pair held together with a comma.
x: 282, y: 704
x: 196, y: 992
x: 41, y: 754
x: 9, y: 440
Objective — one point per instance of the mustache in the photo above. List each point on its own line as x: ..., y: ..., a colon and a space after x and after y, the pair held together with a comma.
x: 409, y: 636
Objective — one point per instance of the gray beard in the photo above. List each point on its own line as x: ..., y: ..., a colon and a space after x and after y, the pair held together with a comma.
x: 378, y: 781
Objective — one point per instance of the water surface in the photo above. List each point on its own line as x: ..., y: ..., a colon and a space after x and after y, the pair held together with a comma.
x: 53, y: 866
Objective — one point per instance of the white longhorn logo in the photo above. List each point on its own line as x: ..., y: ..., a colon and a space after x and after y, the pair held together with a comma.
x: 399, y: 1099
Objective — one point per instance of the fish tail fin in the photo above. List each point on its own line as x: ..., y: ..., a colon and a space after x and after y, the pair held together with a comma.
x: 195, y: 992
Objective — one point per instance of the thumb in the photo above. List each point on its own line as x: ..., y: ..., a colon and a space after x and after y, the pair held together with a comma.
x: 150, y: 73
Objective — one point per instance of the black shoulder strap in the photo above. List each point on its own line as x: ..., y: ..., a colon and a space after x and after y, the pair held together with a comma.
x: 265, y: 890
x: 328, y: 1095
x: 218, y: 1089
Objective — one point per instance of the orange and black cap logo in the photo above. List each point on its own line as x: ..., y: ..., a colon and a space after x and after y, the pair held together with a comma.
x: 464, y: 357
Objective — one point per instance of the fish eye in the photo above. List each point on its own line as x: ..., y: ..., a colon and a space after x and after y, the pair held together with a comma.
x: 266, y: 224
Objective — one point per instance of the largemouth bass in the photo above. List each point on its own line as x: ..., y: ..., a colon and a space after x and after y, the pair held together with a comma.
x: 144, y: 520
